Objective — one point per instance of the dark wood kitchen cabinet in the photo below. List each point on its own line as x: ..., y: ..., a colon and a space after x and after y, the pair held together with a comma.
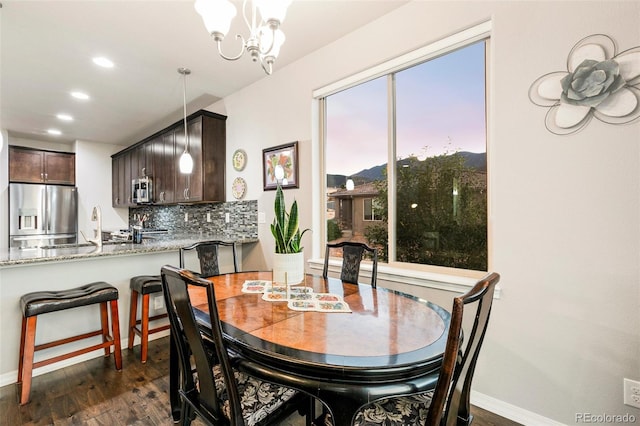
x: 207, y: 146
x: 29, y: 165
x: 142, y: 161
x: 164, y: 171
x: 159, y: 156
x: 121, y: 180
x: 115, y: 182
x: 128, y: 164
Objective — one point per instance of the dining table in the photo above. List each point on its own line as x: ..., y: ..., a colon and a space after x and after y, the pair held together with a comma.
x: 379, y: 343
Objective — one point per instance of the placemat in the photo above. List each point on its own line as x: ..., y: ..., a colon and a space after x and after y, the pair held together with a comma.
x: 297, y: 298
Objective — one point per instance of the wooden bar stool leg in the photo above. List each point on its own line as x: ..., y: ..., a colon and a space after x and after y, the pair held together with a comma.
x: 26, y: 359
x: 115, y: 327
x: 144, y: 328
x: 104, y: 320
x: 22, y: 340
x: 133, y: 317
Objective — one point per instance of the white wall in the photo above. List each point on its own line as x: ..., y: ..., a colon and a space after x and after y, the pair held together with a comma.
x: 565, y: 211
x: 93, y: 179
x: 4, y: 190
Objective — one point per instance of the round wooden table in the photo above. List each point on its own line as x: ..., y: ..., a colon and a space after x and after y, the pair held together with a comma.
x: 391, y: 343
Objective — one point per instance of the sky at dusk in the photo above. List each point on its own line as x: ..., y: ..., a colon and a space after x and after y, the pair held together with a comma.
x: 440, y: 108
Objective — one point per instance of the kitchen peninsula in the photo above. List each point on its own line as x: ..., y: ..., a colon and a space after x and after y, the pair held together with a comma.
x: 72, y: 252
x: 58, y: 268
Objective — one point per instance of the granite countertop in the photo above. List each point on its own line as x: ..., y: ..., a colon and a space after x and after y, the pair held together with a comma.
x: 15, y: 257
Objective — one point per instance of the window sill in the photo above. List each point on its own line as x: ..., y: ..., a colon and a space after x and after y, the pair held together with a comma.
x: 428, y: 279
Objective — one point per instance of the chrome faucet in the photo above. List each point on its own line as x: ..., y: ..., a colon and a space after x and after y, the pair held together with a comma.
x: 96, y: 216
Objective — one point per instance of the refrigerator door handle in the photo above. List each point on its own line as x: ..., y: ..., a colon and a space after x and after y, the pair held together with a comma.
x: 45, y: 208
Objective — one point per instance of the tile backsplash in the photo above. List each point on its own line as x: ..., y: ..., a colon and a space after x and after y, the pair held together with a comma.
x: 192, y: 219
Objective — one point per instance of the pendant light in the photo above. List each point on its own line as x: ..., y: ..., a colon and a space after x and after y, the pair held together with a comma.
x: 186, y: 161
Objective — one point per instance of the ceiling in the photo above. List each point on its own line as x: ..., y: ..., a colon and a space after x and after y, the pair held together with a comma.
x: 47, y: 49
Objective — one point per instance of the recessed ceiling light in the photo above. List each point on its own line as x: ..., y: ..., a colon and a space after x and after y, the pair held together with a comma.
x: 103, y: 62
x: 64, y: 117
x: 80, y: 95
x: 55, y: 132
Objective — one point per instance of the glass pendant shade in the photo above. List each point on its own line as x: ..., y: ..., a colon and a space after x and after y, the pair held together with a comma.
x: 266, y: 37
x: 186, y: 163
x: 216, y: 14
x: 272, y: 9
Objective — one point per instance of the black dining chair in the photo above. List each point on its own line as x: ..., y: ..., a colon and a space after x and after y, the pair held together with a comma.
x: 448, y: 404
x: 216, y: 391
x: 208, y: 255
x: 352, y: 255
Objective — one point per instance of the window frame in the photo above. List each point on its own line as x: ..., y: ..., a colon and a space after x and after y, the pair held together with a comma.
x: 446, y: 278
x: 373, y: 210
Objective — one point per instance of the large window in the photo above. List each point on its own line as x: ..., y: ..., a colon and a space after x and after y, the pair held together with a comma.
x: 409, y: 147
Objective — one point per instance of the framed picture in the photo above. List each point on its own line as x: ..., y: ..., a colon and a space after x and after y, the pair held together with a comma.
x: 280, y: 163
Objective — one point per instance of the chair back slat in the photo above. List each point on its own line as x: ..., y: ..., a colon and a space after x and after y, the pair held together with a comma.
x: 208, y: 256
x: 458, y: 365
x: 209, y: 263
x: 352, y: 255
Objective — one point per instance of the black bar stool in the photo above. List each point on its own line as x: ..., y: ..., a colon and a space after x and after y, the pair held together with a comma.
x: 43, y: 302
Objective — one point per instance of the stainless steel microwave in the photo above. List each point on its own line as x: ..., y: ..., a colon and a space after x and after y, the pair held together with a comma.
x: 142, y: 190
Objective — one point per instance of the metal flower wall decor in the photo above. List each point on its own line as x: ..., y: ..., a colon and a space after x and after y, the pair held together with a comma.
x: 599, y: 82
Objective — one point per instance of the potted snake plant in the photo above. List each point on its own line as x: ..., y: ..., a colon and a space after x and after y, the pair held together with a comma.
x: 288, y: 263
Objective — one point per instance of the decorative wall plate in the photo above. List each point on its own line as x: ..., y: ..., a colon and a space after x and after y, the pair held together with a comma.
x: 239, y: 188
x: 239, y: 159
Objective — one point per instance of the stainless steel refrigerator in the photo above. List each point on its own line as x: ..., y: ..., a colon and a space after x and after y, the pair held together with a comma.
x: 42, y: 215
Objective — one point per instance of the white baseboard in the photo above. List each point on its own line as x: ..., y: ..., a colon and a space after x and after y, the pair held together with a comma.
x: 12, y: 376
x: 511, y: 412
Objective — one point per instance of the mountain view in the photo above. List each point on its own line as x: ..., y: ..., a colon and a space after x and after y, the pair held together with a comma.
x: 472, y: 160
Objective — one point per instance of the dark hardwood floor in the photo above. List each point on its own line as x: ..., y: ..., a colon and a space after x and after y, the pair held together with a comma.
x: 94, y: 393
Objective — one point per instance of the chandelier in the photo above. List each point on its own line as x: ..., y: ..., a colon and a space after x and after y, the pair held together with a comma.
x: 265, y: 36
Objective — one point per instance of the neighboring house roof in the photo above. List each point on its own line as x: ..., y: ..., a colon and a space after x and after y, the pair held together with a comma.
x: 366, y: 189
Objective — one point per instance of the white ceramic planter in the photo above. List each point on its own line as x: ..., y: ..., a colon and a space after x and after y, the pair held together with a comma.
x: 288, y: 268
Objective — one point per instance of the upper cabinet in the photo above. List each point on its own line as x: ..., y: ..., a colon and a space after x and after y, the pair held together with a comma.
x: 207, y: 146
x: 164, y: 166
x: 121, y: 181
x: 142, y: 161
x: 29, y: 165
x: 158, y: 156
